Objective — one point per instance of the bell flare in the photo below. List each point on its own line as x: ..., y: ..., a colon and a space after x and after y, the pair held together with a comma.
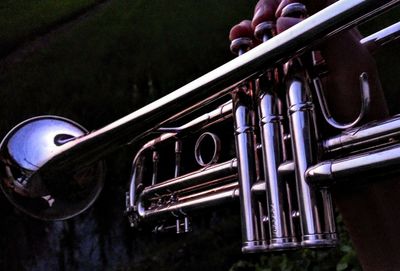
x: 50, y: 194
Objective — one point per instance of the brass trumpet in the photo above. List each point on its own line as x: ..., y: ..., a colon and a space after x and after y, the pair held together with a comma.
x: 51, y: 167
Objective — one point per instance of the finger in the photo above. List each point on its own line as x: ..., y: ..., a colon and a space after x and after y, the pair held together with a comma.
x: 284, y: 3
x: 264, y: 11
x: 312, y: 6
x: 284, y: 23
x: 242, y: 29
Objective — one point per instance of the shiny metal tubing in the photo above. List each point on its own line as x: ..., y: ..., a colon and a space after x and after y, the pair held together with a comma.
x: 136, y: 126
x: 282, y: 235
x: 203, y: 175
x: 357, y: 168
x: 221, y: 113
x: 382, y: 37
x: 216, y: 146
x: 368, y: 135
x: 200, y: 200
x: 365, y: 103
x: 258, y: 189
x: 243, y: 116
x: 286, y: 168
x: 178, y: 157
x: 315, y: 231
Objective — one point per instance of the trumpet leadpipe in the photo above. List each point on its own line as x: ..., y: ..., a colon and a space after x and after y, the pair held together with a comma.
x: 221, y: 113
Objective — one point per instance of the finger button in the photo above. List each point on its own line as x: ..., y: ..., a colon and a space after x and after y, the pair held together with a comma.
x: 294, y: 10
x: 241, y: 37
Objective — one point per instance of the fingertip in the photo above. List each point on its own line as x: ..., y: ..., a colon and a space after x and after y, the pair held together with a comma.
x: 264, y: 11
x: 241, y: 30
x: 280, y: 7
x: 284, y: 23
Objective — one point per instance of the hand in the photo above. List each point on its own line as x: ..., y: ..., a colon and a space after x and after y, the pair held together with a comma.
x: 346, y: 59
x: 376, y: 240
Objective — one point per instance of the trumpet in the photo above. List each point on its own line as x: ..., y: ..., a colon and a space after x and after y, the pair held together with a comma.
x: 276, y: 164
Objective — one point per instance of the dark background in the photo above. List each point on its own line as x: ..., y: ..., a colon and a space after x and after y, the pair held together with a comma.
x: 96, y: 61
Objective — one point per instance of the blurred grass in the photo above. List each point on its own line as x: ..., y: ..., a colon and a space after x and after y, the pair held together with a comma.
x: 21, y: 20
x: 341, y: 258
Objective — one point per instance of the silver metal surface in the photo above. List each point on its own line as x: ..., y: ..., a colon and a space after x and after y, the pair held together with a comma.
x: 243, y: 116
x: 222, y: 113
x: 286, y: 168
x: 382, y: 37
x: 219, y: 114
x: 360, y: 168
x: 314, y: 218
x: 238, y: 44
x: 215, y: 172
x: 258, y: 188
x: 371, y: 134
x: 281, y: 227
x: 365, y: 103
x: 216, y: 147
x: 282, y: 234
x: 25, y: 149
x: 193, y: 202
x: 178, y: 158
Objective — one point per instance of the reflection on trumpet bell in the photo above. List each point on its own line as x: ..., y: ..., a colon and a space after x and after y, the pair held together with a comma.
x: 58, y: 195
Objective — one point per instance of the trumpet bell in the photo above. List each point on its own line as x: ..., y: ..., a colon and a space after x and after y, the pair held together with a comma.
x: 56, y: 196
